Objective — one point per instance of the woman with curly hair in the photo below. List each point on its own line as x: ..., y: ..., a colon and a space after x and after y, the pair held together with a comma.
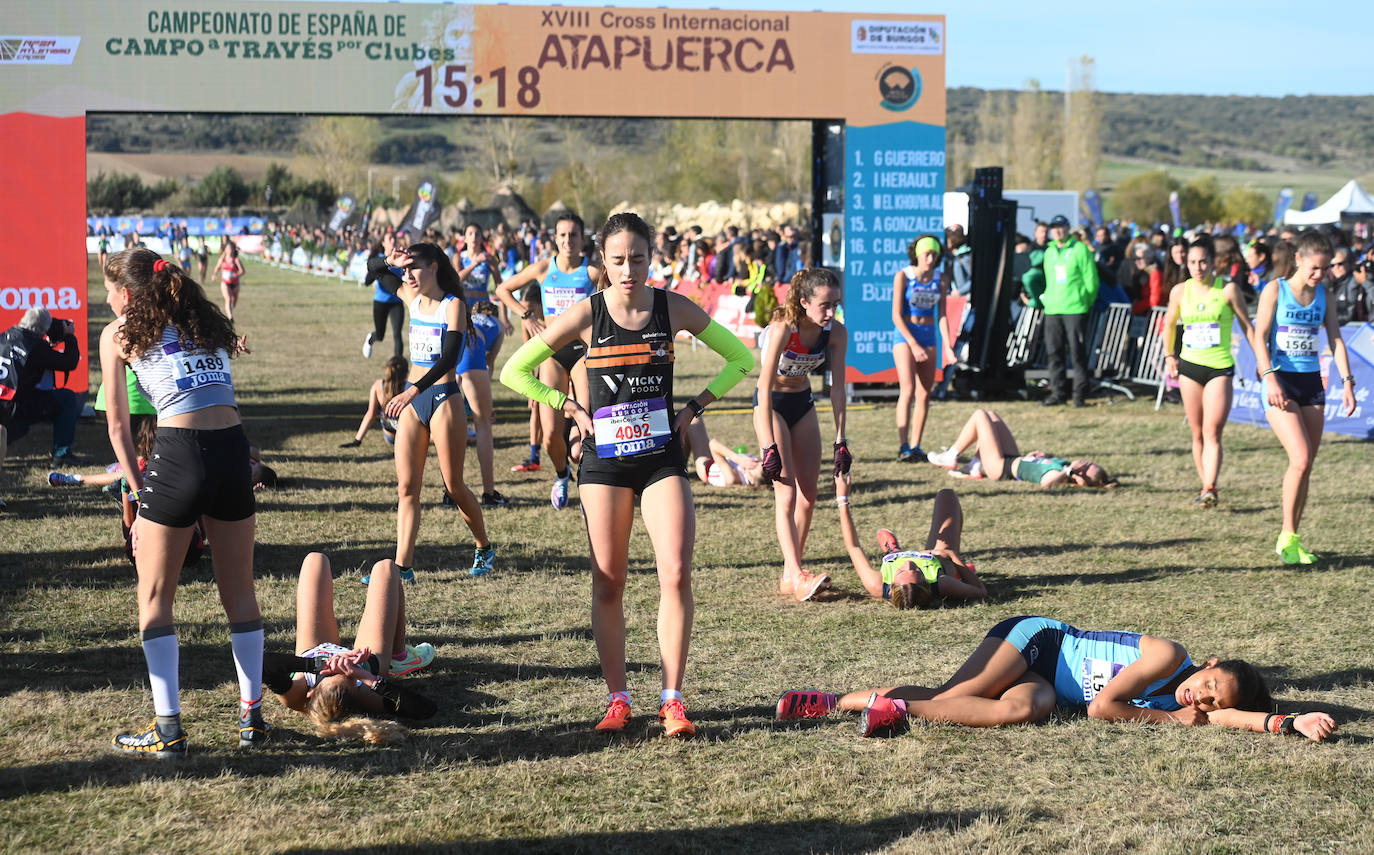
x: 178, y: 345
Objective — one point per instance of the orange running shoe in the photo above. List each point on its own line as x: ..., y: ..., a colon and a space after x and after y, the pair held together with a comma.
x: 808, y: 586
x: 887, y: 541
x: 674, y: 717
x: 617, y: 716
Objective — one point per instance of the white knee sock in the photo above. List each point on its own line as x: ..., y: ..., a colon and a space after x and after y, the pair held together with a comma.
x: 246, y: 640
x: 164, y: 659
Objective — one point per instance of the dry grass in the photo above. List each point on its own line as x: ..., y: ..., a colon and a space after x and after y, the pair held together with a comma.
x: 511, y: 762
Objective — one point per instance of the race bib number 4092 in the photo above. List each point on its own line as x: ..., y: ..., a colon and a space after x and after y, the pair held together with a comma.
x: 631, y: 428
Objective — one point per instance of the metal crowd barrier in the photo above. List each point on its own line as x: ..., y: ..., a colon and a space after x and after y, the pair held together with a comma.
x: 1122, y: 349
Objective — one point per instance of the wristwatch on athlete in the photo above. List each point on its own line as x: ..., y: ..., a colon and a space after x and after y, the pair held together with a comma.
x: 526, y: 315
x: 697, y: 409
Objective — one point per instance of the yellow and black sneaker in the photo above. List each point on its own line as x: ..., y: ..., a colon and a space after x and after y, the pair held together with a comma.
x: 153, y: 741
x: 253, y: 731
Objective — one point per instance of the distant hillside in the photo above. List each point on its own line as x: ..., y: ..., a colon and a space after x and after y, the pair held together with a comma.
x: 1211, y: 132
x: 1222, y: 132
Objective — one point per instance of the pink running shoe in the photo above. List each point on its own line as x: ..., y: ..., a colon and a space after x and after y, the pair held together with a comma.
x: 887, y: 542
x: 794, y: 705
x: 883, y: 716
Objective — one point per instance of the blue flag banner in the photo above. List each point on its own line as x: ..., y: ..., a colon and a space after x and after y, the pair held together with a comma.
x: 195, y: 226
x: 1175, y: 210
x: 1309, y: 200
x: 1093, y: 200
x: 1247, y: 401
x: 1282, y: 204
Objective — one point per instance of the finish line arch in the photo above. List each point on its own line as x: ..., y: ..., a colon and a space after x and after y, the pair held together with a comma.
x: 873, y: 85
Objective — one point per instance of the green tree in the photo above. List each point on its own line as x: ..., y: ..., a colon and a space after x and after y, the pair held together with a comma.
x: 1247, y: 205
x: 1200, y: 200
x: 224, y: 187
x: 1082, y: 151
x: 119, y: 192
x: 341, y: 147
x: 1144, y: 197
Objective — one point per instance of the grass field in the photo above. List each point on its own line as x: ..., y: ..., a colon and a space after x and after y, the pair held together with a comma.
x: 510, y: 763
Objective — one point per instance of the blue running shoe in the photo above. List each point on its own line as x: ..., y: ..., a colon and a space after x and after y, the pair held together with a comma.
x: 483, y: 561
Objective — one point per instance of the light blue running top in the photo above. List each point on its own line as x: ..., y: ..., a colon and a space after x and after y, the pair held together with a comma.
x: 559, y: 290
x: 1293, y: 338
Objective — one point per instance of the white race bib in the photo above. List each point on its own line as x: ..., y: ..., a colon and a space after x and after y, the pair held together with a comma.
x: 558, y: 300
x: 1097, y: 673
x: 1296, y: 340
x: 425, y: 344
x: 194, y: 369
x: 1061, y: 274
x: 631, y: 428
x: 1202, y: 336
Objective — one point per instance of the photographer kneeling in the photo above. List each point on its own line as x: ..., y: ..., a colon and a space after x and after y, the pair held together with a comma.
x: 27, y: 391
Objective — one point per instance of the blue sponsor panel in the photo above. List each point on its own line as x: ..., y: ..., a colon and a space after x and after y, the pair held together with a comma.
x: 195, y: 226
x: 1247, y: 401
x: 894, y: 191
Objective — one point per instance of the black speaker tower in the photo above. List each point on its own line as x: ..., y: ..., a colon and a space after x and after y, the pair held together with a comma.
x: 992, y: 234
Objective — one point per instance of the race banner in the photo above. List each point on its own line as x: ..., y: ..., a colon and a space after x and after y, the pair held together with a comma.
x: 1309, y: 200
x: 1175, y: 210
x: 424, y: 211
x: 880, y: 77
x: 1282, y: 204
x: 1247, y: 399
x: 1092, y: 200
x: 343, y: 212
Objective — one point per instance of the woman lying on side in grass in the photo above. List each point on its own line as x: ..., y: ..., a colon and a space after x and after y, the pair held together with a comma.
x: 1028, y: 665
x: 998, y: 458
x: 353, y: 686
x: 914, y: 579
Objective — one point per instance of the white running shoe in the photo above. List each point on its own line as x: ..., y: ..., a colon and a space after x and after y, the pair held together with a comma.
x: 559, y: 496
x: 367, y: 345
x: 947, y: 459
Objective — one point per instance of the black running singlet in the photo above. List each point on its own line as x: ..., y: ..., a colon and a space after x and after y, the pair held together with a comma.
x: 630, y: 380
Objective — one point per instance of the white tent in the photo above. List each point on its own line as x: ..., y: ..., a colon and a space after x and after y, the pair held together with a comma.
x: 1350, y: 202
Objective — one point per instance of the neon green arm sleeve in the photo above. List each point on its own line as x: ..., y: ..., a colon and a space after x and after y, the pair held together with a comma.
x: 738, y: 360
x: 518, y: 374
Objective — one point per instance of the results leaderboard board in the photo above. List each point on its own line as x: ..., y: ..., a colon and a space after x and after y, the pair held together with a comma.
x: 894, y: 192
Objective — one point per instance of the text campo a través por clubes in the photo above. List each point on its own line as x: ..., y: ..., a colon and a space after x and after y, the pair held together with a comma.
x: 234, y: 35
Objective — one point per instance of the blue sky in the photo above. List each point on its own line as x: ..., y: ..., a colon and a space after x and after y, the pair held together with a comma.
x: 1258, y: 48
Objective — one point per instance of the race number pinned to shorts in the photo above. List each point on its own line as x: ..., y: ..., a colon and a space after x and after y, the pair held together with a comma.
x: 425, y: 344
x: 631, y: 428
x: 1202, y: 336
x: 192, y: 369
x: 1296, y: 340
x: 1097, y: 673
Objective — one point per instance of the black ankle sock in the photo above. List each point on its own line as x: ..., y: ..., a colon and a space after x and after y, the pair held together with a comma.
x: 169, y: 725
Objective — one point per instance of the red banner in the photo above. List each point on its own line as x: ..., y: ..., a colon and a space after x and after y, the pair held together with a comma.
x: 42, y: 255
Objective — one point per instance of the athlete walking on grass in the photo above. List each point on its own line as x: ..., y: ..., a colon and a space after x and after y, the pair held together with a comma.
x: 631, y: 448
x: 1204, y: 305
x: 1028, y: 665
x: 562, y: 281
x: 785, y: 415
x: 431, y: 405
x: 1291, y: 314
x: 178, y: 345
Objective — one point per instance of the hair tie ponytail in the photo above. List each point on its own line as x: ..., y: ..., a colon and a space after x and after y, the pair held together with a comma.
x: 159, y: 265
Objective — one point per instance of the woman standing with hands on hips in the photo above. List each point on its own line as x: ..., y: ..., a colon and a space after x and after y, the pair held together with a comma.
x: 923, y: 338
x: 431, y: 406
x: 1290, y: 316
x: 1205, y: 306
x: 785, y: 415
x: 178, y: 345
x: 632, y: 448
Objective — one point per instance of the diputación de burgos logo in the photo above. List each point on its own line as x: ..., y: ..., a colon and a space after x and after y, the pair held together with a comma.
x: 899, y: 87
x: 38, y: 50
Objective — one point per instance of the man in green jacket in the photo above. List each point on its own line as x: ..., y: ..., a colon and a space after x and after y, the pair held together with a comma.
x: 1070, y: 290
